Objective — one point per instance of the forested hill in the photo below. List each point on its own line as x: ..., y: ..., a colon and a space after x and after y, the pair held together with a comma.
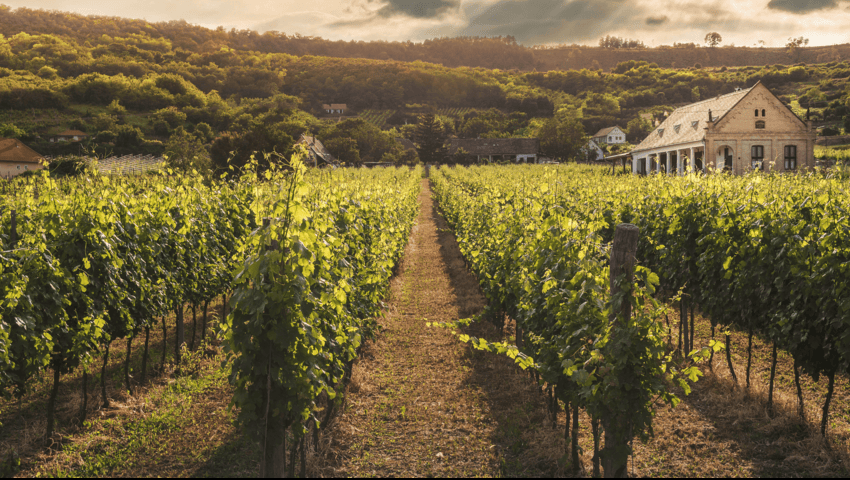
x: 499, y: 52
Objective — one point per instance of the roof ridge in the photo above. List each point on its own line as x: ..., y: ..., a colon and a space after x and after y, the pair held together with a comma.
x: 743, y: 90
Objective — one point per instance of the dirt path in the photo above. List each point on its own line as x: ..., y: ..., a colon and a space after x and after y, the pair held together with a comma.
x: 420, y: 403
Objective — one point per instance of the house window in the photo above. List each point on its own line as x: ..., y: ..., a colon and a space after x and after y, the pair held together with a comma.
x: 760, y: 125
x: 790, y: 157
x: 757, y: 155
x: 762, y: 113
x: 757, y: 112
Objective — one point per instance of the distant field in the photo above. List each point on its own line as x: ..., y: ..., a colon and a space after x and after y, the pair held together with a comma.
x: 377, y: 118
x: 130, y: 164
x: 840, y: 153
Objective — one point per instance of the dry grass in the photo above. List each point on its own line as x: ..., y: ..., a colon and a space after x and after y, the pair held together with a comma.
x: 24, y: 422
x: 422, y: 404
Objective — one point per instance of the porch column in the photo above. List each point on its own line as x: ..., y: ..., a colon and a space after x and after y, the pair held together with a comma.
x: 648, y: 162
x: 635, y: 161
x: 669, y: 162
x: 693, y: 161
x: 679, y: 162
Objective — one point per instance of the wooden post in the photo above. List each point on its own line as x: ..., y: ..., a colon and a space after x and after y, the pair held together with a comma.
x: 13, y: 235
x: 617, y: 425
x: 273, y: 464
x: 623, y: 253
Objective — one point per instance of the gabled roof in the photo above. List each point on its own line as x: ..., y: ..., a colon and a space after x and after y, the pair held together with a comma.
x: 605, y: 131
x: 315, y: 148
x: 407, y: 144
x: 13, y: 150
x: 72, y: 133
x: 687, y: 124
x: 495, y: 146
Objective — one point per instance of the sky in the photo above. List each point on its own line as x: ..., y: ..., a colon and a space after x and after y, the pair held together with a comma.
x: 531, y: 22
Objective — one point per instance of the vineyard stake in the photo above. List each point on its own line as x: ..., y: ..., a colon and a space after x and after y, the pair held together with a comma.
x: 729, y: 360
x: 181, y: 334
x: 274, y: 451
x: 103, y: 376
x: 772, y: 376
x: 14, y: 232
x: 616, y: 426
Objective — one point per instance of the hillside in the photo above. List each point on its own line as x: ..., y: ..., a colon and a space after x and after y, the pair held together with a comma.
x: 498, y: 52
x: 137, y: 91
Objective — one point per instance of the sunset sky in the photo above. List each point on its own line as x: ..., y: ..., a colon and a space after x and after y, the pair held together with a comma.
x: 532, y: 22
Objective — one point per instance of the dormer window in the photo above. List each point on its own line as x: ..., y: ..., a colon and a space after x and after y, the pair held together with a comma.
x: 676, y: 128
x: 660, y: 132
x: 760, y: 125
x: 695, y: 124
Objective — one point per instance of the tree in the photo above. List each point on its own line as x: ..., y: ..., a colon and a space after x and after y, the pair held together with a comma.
x: 430, y: 137
x: 115, y: 108
x: 562, y: 136
x: 345, y: 150
x: 713, y: 39
x: 794, y: 43
x: 184, y: 152
x: 637, y: 129
x: 127, y: 136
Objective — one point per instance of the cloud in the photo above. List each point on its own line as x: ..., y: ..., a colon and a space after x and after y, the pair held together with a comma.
x: 653, y: 21
x: 550, y: 20
x: 802, y: 6
x: 418, y: 8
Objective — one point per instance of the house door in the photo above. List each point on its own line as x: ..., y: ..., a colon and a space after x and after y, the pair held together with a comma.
x: 727, y: 157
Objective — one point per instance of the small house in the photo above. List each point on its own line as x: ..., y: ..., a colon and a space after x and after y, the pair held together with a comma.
x: 335, y: 108
x: 518, y: 150
x: 610, y: 136
x: 317, y: 154
x: 69, y: 136
x: 592, y: 151
x: 17, y: 158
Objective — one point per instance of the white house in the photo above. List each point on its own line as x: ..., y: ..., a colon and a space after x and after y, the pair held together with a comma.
x: 610, y: 135
x: 335, y: 108
x: 69, y: 136
x: 593, y: 147
x: 738, y: 132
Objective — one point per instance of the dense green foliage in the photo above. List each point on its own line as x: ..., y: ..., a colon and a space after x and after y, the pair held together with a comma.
x: 763, y: 253
x: 310, y: 286
x: 99, y: 259
x: 157, y: 85
x: 538, y: 240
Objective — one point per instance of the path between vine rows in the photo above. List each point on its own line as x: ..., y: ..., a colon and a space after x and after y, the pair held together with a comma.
x: 421, y: 403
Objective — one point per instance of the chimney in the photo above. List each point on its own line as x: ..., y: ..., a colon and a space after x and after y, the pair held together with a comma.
x: 710, y: 117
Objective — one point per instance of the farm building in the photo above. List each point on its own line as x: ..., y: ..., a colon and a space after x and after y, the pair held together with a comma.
x: 17, y: 158
x: 592, y: 151
x: 737, y: 132
x: 520, y: 150
x: 317, y: 154
x: 69, y: 136
x: 335, y: 108
x: 610, y: 135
